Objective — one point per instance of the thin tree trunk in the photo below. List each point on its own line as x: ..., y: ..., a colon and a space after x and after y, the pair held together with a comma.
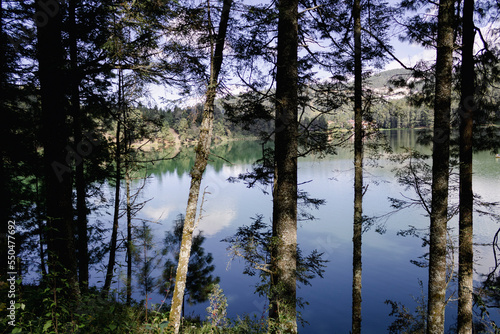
x: 358, y: 173
x: 114, y: 233
x: 465, y: 271
x: 440, y: 169
x: 55, y: 139
x: 129, y: 238
x: 41, y: 232
x: 5, y: 204
x: 81, y: 203
x: 200, y: 164
x: 283, y: 284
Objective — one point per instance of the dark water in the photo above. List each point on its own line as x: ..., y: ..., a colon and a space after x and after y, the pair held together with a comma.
x: 387, y: 270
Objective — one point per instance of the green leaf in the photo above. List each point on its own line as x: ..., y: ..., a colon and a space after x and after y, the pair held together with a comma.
x: 47, y: 325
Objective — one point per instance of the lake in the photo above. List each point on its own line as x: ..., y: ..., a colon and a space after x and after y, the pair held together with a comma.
x: 387, y: 270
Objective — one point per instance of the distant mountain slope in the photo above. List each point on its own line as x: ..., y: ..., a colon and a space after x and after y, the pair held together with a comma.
x: 380, y: 83
x: 381, y: 80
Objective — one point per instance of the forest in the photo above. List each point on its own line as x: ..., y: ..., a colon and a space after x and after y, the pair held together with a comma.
x: 166, y: 162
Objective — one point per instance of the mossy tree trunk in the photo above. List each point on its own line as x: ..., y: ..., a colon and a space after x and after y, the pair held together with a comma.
x: 200, y: 164
x: 358, y: 173
x: 440, y: 169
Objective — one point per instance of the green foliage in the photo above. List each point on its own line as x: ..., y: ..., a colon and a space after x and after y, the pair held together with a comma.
x: 217, y: 311
x: 487, y: 297
x: 255, y: 243
x: 409, y: 322
x: 146, y: 259
x: 39, y: 312
x: 199, y: 281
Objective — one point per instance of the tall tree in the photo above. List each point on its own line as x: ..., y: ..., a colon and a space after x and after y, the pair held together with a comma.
x: 440, y: 168
x: 283, y: 285
x: 118, y: 178
x: 55, y: 139
x: 81, y: 196
x: 201, y: 160
x: 358, y: 173
x: 466, y: 196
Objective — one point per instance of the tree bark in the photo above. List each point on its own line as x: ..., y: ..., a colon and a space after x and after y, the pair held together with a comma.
x: 129, y: 237
x: 81, y: 194
x: 467, y: 106
x: 283, y: 284
x: 358, y: 173
x: 116, y: 213
x: 5, y: 204
x: 55, y: 139
x: 200, y: 164
x: 440, y: 169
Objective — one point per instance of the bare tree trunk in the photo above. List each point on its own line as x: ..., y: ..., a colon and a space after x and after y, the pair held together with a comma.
x: 466, y: 259
x: 440, y: 169
x: 81, y: 203
x: 129, y: 238
x: 55, y: 139
x: 200, y: 164
x: 358, y: 173
x: 284, y: 260
x: 114, y: 233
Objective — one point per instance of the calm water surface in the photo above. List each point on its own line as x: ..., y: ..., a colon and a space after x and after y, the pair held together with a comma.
x: 387, y: 270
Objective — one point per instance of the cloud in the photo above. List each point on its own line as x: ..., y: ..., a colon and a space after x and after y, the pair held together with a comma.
x: 411, y: 60
x: 158, y: 213
x: 214, y: 221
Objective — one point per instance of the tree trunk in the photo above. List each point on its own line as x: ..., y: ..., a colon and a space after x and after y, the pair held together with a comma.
x: 358, y: 173
x: 284, y: 260
x: 200, y: 164
x: 81, y: 195
x: 440, y: 169
x: 114, y: 233
x: 5, y: 204
x: 465, y: 271
x: 55, y: 139
x: 129, y: 238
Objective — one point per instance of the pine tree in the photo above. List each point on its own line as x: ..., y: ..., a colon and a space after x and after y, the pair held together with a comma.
x: 55, y: 139
x: 440, y: 168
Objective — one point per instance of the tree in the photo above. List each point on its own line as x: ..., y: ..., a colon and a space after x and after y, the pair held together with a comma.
x: 201, y: 160
x: 55, y: 139
x: 133, y: 41
x: 283, y: 285
x: 255, y: 243
x: 199, y: 280
x: 146, y: 259
x: 358, y: 172
x: 117, y: 179
x: 440, y: 168
x: 466, y: 110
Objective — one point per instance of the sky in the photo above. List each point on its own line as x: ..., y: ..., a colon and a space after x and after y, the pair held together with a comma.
x: 406, y: 52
